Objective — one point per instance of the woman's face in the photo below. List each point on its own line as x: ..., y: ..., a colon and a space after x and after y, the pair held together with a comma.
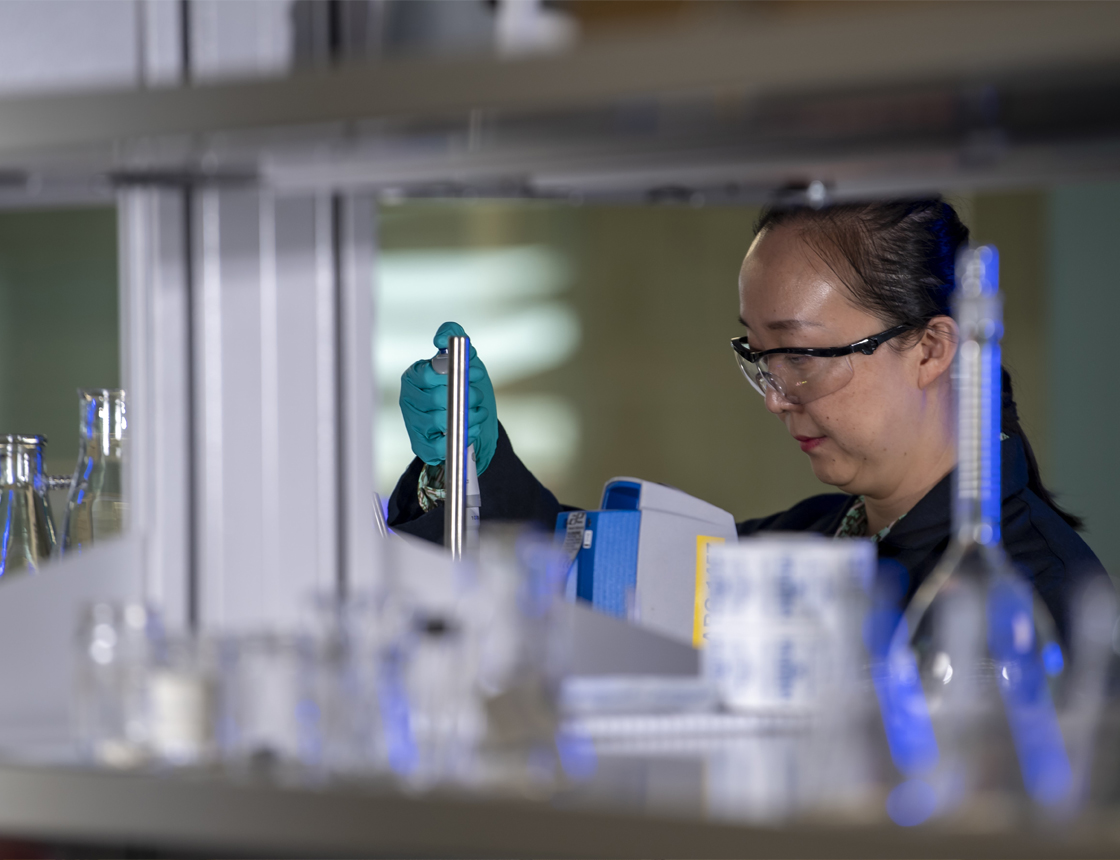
x: 863, y: 437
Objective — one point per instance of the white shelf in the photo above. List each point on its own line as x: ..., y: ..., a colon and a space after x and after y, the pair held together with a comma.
x: 916, y: 96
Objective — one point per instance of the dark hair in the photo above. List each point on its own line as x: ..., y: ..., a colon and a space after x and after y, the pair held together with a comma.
x: 897, y: 258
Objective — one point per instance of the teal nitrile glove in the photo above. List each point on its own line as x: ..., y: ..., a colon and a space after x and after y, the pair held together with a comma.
x: 424, y: 406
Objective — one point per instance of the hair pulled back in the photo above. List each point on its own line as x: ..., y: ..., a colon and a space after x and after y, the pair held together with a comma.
x: 897, y: 258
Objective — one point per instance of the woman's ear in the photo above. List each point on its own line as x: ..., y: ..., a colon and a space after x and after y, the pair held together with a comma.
x: 936, y: 350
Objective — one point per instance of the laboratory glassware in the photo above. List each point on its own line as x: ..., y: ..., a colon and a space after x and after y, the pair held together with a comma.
x: 522, y: 654
x: 143, y: 695
x: 469, y: 682
x: 1082, y: 697
x: 972, y: 658
x: 96, y: 507
x: 185, y: 706
x: 521, y: 574
x: 116, y: 646
x: 269, y: 714
x: 28, y: 536
x: 445, y: 722
x: 432, y: 674
x: 346, y: 653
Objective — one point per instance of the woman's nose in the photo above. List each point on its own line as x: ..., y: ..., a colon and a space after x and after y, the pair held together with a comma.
x: 775, y: 402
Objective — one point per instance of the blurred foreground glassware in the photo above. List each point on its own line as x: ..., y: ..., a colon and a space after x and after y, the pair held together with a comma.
x: 468, y: 686
x: 351, y: 662
x: 96, y: 507
x: 269, y: 710
x: 185, y: 708
x: 275, y: 705
x: 521, y: 652
x: 785, y: 616
x: 1082, y: 698
x: 976, y: 651
x: 425, y: 683
x: 27, y: 538
x: 444, y: 716
x: 143, y: 696
x: 116, y: 645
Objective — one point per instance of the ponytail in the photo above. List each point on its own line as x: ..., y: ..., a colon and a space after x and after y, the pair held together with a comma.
x: 1010, y: 421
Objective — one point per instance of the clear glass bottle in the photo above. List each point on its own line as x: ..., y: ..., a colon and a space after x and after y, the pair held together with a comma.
x: 96, y: 507
x: 982, y: 645
x: 27, y: 536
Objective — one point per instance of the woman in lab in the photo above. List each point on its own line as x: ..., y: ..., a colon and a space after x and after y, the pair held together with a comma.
x: 875, y: 421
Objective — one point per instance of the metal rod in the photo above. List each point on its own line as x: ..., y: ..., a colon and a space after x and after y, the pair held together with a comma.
x: 379, y: 516
x: 454, y: 473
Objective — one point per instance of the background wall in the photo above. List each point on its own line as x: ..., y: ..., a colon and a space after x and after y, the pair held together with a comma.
x: 1082, y: 309
x: 58, y: 321
x: 1016, y: 223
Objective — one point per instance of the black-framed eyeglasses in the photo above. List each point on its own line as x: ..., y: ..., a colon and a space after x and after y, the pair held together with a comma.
x: 801, y: 374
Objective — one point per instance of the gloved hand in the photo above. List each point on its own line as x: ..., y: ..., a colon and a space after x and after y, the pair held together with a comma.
x: 424, y: 406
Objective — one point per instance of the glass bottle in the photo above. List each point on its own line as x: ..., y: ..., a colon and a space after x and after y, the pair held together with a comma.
x: 27, y: 535
x: 980, y: 644
x: 96, y: 508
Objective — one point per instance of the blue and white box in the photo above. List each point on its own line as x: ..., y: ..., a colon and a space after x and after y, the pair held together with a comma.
x: 644, y: 555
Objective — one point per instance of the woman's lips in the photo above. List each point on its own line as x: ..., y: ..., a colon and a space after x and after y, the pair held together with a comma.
x: 808, y: 443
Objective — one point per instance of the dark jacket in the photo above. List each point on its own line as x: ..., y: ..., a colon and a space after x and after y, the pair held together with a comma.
x: 1048, y: 551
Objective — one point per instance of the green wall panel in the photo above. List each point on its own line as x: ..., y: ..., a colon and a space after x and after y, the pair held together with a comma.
x: 1083, y: 309
x: 58, y: 321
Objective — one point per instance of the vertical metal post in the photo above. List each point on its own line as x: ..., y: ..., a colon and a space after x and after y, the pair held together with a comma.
x: 454, y: 473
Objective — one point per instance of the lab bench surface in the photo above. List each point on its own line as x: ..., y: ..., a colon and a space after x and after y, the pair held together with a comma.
x: 196, y: 813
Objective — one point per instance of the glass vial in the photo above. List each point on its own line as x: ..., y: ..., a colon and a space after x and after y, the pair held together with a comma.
x: 96, y: 507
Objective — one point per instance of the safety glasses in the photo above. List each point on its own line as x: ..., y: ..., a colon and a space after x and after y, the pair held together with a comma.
x: 803, y: 374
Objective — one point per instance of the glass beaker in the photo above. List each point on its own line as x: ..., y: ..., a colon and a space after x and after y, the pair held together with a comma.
x: 96, y: 508
x: 116, y: 646
x: 27, y: 536
x: 270, y: 714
